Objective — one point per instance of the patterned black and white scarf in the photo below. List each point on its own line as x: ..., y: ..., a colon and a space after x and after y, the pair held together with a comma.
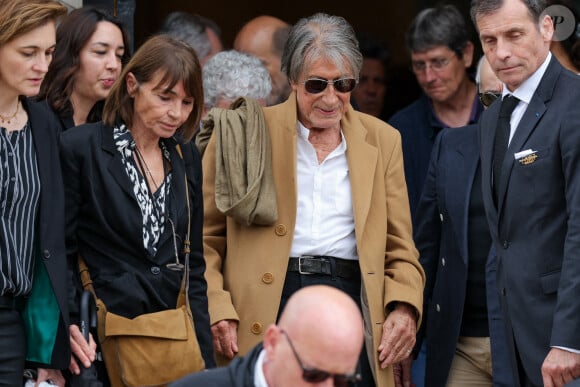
x: 152, y: 205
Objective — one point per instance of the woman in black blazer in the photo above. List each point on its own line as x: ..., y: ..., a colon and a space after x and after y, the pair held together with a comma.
x: 126, y: 204
x: 33, y: 293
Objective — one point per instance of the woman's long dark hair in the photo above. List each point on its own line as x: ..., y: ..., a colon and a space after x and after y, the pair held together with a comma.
x: 71, y: 36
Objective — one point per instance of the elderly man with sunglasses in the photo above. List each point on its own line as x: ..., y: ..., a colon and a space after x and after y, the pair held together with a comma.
x: 317, y: 341
x: 336, y: 211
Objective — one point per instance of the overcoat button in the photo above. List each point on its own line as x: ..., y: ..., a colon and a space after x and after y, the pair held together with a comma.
x: 280, y: 230
x: 256, y: 328
x: 267, y: 278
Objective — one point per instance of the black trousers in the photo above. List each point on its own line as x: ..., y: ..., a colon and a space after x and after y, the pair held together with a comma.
x: 351, y: 286
x: 12, y: 348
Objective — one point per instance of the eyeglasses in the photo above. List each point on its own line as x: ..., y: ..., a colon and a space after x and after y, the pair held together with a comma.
x: 436, y: 65
x: 487, y: 97
x: 318, y: 85
x: 313, y: 375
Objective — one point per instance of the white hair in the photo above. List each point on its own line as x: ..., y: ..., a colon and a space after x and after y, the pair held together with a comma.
x: 232, y: 74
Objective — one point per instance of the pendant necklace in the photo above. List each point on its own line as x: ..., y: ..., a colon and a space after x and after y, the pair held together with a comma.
x: 9, y: 118
x: 143, y: 163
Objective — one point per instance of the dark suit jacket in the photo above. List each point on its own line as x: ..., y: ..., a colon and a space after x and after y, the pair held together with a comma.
x: 239, y: 373
x: 441, y: 237
x: 104, y: 225
x: 50, y: 247
x: 536, y: 226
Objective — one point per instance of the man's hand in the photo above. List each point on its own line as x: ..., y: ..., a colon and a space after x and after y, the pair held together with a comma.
x: 398, y: 339
x: 225, y: 338
x: 54, y: 376
x: 560, y: 367
x: 84, y: 352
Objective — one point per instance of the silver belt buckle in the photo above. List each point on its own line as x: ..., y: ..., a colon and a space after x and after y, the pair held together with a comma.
x: 300, y: 264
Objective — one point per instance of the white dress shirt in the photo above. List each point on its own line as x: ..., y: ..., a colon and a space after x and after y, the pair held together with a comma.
x: 259, y: 377
x: 524, y: 93
x: 324, y: 215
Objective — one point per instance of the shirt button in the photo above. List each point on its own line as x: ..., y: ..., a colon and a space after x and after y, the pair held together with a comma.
x: 256, y: 328
x: 280, y: 230
x: 443, y: 261
x: 155, y: 270
x: 438, y: 308
x: 268, y: 278
x: 10, y: 154
x: 441, y: 217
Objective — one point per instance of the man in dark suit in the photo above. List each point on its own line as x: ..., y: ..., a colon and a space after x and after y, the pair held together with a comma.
x: 319, y: 336
x: 532, y: 192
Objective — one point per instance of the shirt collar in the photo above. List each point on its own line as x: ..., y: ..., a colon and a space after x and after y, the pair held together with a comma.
x: 436, y: 124
x: 528, y: 87
x: 259, y: 377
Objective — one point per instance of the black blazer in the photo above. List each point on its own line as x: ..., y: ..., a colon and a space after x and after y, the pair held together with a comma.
x: 50, y: 246
x: 536, y: 226
x: 104, y: 225
x: 441, y: 236
x: 239, y: 373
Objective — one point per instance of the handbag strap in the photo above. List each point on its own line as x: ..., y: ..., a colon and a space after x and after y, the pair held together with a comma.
x: 182, y: 298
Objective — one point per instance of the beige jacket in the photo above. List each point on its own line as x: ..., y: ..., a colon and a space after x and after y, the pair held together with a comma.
x: 246, y: 265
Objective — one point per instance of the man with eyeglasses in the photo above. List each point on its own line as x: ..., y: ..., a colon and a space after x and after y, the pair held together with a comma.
x: 317, y: 340
x: 489, y: 87
x: 334, y: 210
x: 464, y: 333
x: 441, y: 54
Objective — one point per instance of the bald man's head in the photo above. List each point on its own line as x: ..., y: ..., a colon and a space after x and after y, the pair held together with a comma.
x: 264, y: 37
x: 325, y: 327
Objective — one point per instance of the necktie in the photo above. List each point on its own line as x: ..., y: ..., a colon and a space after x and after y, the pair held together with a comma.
x: 502, y: 135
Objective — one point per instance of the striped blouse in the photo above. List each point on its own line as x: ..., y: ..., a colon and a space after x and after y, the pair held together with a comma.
x: 19, y: 201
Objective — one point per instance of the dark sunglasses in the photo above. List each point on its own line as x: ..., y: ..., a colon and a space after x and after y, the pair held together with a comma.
x: 487, y: 97
x: 318, y: 85
x: 313, y: 375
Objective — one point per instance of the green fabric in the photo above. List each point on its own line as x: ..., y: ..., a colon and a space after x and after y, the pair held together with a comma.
x: 41, y: 317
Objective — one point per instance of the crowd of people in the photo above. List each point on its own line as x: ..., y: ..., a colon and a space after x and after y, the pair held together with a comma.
x: 310, y: 237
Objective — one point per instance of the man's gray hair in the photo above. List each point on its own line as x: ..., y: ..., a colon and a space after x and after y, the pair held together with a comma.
x: 486, y: 7
x: 232, y: 74
x: 321, y: 36
x: 189, y: 29
x: 439, y: 26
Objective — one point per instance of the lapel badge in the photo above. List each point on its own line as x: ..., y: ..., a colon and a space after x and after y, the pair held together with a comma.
x: 529, y: 159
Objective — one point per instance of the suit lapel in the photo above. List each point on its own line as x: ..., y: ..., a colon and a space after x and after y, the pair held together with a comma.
x: 281, y: 120
x: 362, y: 161
x: 487, y: 128
x: 528, y: 124
x: 115, y: 166
x: 45, y: 150
x: 464, y: 162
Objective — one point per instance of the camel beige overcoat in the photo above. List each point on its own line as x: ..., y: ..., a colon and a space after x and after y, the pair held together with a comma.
x: 246, y: 265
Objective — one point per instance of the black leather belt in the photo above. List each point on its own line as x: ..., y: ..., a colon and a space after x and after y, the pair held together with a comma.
x: 13, y: 303
x: 326, y: 265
